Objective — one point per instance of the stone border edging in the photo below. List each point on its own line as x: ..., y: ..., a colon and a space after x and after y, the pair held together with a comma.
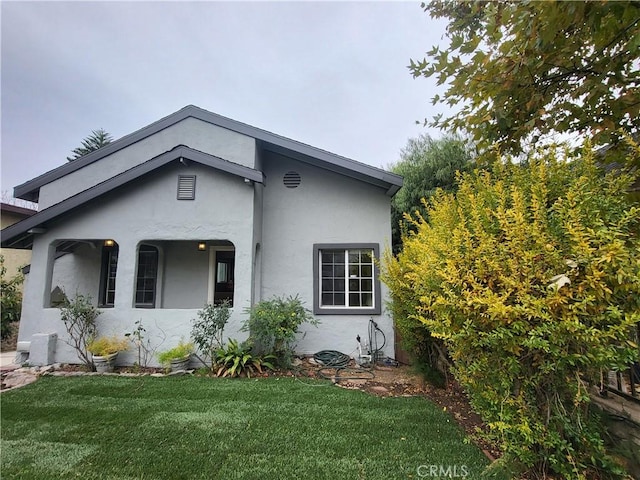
x: 22, y: 376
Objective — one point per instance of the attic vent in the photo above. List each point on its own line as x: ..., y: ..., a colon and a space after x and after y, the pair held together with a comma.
x: 291, y: 179
x: 186, y: 187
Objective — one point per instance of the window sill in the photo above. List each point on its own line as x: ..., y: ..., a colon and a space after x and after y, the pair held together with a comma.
x: 347, y: 311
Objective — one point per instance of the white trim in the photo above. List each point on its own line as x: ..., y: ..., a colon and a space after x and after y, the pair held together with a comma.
x: 211, y: 283
x: 347, y: 277
x: 159, y: 274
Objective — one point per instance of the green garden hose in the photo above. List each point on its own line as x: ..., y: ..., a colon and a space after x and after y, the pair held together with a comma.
x: 332, y: 358
x: 336, y: 367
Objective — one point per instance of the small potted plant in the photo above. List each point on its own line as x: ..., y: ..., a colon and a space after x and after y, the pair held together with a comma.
x: 178, y: 357
x: 105, y: 350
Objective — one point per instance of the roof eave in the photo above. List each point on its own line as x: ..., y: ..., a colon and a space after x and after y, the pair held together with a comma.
x: 19, y: 235
x: 30, y: 189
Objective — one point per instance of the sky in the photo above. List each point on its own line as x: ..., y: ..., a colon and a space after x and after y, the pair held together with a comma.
x: 329, y: 74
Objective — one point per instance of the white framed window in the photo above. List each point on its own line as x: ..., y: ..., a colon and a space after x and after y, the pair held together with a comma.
x: 346, y: 279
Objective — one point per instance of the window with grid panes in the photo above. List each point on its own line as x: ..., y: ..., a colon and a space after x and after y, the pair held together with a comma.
x: 146, y: 276
x: 346, y: 279
x: 108, y: 276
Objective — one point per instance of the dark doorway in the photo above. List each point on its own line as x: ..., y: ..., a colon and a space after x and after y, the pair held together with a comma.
x: 225, y: 263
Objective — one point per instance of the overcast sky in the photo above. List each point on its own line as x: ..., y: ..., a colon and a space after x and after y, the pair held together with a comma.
x: 332, y: 75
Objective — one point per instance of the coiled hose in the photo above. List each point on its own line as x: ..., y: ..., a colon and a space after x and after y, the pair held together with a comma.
x: 332, y: 358
x: 335, y: 367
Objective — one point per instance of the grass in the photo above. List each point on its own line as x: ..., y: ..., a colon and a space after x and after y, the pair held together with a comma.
x: 190, y: 428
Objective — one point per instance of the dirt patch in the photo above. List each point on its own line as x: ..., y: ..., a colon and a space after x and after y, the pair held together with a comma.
x: 401, y: 381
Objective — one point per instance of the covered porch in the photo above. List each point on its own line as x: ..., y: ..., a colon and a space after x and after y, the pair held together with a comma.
x: 159, y: 283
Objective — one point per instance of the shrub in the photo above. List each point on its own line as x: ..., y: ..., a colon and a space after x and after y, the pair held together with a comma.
x: 273, y: 325
x: 11, y: 300
x: 424, y: 349
x: 179, y: 352
x: 103, y: 346
x: 531, y: 276
x: 142, y: 343
x: 207, y: 330
x: 79, y: 317
x: 235, y: 359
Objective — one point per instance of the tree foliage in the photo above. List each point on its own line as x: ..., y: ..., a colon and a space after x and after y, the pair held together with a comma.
x: 426, y: 165
x: 531, y: 276
x: 98, y: 139
x: 208, y: 329
x: 11, y: 299
x: 522, y: 69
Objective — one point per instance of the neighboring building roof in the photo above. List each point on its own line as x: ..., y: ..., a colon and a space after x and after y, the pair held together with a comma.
x: 266, y: 140
x: 20, y: 235
x: 22, y: 211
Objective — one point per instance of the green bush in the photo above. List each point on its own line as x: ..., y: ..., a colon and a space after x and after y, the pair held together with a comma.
x: 273, y: 325
x: 179, y: 352
x: 208, y: 329
x: 103, y: 346
x: 531, y: 276
x: 11, y: 300
x: 235, y: 360
x: 424, y: 349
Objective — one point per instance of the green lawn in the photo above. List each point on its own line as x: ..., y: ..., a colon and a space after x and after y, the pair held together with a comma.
x: 188, y: 428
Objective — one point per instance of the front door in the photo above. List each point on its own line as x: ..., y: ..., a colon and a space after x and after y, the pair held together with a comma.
x: 224, y: 268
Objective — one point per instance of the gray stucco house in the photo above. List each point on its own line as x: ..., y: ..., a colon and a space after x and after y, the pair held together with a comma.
x: 196, y: 208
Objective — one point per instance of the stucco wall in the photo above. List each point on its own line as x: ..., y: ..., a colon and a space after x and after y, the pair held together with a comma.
x: 191, y: 132
x: 325, y: 208
x: 78, y: 272
x: 9, y: 218
x: 186, y: 273
x: 148, y: 209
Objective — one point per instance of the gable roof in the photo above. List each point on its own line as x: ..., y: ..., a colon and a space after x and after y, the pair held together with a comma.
x: 265, y: 140
x: 20, y: 235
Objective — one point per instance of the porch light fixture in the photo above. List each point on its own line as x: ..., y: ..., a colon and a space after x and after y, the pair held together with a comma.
x: 109, y: 243
x: 202, y: 246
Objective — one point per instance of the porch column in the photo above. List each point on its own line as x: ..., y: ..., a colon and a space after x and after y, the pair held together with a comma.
x: 37, y: 274
x: 125, y: 274
x: 37, y: 289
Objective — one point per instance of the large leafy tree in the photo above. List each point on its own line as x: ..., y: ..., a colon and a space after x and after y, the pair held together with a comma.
x: 98, y: 139
x: 426, y: 165
x: 530, y: 274
x: 518, y: 70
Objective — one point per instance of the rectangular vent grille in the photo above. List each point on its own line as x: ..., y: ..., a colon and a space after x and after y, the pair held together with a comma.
x: 186, y: 187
